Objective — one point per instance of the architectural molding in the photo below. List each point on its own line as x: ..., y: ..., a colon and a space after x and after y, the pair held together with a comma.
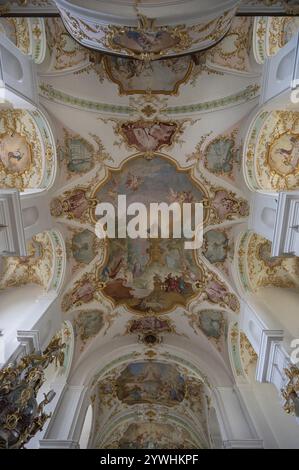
x: 286, y: 230
x: 269, y: 341
x: 280, y: 74
x: 58, y: 444
x: 12, y: 233
x: 29, y: 341
x: 243, y: 444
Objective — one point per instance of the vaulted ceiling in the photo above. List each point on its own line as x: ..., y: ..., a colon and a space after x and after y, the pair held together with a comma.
x: 156, y: 325
x: 145, y: 310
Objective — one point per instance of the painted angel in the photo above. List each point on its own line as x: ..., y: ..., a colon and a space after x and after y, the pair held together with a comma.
x: 133, y: 182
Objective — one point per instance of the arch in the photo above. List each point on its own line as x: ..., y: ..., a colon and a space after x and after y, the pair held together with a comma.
x: 27, y: 34
x: 13, y: 67
x: 267, y: 284
x: 30, y: 287
x: 86, y: 428
x: 285, y: 67
x: 215, y: 431
x: 183, y: 353
x: 272, y: 34
x: 174, y: 430
x: 204, y: 25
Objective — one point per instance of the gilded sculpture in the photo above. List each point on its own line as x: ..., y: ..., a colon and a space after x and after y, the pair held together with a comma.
x: 22, y: 417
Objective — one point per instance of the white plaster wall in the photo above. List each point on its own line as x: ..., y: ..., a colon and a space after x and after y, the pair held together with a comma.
x: 284, y: 306
x: 284, y: 427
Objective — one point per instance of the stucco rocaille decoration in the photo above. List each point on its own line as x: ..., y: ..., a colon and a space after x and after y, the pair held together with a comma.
x: 258, y: 269
x: 271, y: 151
x: 147, y: 40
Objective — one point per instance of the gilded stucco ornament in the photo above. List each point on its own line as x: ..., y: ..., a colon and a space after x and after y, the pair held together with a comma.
x: 248, y: 354
x: 65, y: 52
x: 233, y: 52
x: 147, y: 41
x: 27, y: 150
x: 258, y: 269
x: 35, y: 268
x: 273, y: 33
x: 290, y: 393
x: 271, y: 151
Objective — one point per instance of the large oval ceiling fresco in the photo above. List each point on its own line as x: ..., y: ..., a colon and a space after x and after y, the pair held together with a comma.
x: 149, y: 275
x: 152, y: 273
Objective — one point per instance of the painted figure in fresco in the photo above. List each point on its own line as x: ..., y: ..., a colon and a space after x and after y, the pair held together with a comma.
x: 15, y: 153
x: 150, y: 324
x: 133, y: 182
x: 284, y: 154
x: 215, y: 291
x: 145, y: 41
x: 82, y: 294
x: 75, y: 205
x: 148, y: 136
x: 80, y: 157
x: 291, y: 155
x: 129, y: 68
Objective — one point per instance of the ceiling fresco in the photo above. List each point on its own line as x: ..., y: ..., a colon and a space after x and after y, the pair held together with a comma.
x: 148, y: 274
x: 213, y: 324
x: 88, y: 323
x: 78, y: 155
x: 158, y: 323
x: 142, y: 394
x: 145, y: 382
x: 129, y: 127
x: 152, y: 435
